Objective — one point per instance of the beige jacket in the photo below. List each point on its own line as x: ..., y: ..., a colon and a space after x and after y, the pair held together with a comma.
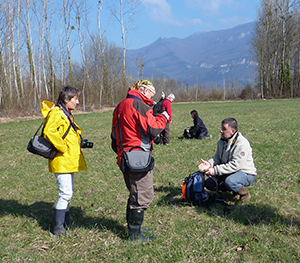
x: 233, y: 156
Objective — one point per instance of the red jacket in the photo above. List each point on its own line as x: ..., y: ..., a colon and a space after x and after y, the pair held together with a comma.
x: 167, y: 106
x: 138, y: 125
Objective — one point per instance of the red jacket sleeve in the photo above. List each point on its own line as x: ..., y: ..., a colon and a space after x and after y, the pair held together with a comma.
x: 167, y: 106
x: 153, y: 125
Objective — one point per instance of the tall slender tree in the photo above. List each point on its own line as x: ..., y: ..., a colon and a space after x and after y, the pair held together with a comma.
x: 104, y: 82
x: 67, y: 19
x: 274, y: 46
x: 123, y: 11
x: 48, y: 23
x: 19, y: 72
x: 80, y: 10
x: 30, y: 52
x: 13, y: 67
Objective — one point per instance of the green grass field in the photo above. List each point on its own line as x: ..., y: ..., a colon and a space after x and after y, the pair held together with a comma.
x: 265, y: 229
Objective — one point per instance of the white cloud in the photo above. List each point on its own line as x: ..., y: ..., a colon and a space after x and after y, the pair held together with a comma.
x: 196, y: 21
x: 212, y: 6
x: 160, y: 11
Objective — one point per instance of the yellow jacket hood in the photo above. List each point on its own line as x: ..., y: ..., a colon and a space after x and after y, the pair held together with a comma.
x: 46, y: 107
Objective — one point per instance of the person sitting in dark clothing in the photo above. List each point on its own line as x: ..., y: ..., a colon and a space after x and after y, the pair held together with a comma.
x: 198, y: 131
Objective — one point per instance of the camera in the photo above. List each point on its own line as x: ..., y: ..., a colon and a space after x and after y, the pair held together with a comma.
x: 86, y: 144
x: 157, y: 139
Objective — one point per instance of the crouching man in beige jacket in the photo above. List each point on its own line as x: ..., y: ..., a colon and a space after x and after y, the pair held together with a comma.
x: 232, y: 164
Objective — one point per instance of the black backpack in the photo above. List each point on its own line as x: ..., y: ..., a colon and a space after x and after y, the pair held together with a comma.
x: 158, y: 108
x: 193, y: 189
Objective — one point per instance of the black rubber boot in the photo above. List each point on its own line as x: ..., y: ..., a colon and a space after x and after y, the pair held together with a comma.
x: 143, y: 230
x: 59, y: 220
x: 68, y: 222
x: 135, y: 220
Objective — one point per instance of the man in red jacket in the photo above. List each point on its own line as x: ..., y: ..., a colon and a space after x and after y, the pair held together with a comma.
x: 165, y: 134
x: 138, y: 127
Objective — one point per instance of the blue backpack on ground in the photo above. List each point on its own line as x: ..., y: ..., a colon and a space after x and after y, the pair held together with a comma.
x: 193, y: 189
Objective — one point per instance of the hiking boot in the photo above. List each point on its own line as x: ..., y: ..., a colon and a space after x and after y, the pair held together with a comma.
x: 236, y: 196
x: 244, y: 194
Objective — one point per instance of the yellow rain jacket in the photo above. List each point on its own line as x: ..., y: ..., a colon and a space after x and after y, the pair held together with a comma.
x: 69, y: 158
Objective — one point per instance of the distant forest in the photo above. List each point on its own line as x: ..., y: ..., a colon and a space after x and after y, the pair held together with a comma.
x: 275, y: 45
x: 37, y: 37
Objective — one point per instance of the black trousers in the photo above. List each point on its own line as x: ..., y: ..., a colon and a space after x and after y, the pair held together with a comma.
x: 193, y: 134
x: 165, y: 134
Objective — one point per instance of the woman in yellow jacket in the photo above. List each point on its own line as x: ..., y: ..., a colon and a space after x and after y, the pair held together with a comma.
x: 69, y: 158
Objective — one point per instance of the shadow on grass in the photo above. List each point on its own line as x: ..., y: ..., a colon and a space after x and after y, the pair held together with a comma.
x: 43, y: 213
x: 247, y: 214
x: 172, y: 197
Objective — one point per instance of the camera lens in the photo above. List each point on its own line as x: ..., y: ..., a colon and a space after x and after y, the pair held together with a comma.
x: 86, y: 144
x: 89, y: 145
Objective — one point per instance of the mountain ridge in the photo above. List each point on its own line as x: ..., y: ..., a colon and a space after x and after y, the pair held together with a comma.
x: 204, y: 57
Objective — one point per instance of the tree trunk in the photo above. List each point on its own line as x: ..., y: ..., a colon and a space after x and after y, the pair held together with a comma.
x: 12, y: 51
x: 48, y: 22
x: 127, y: 8
x: 104, y: 84
x: 67, y: 12
x: 30, y: 56
x: 20, y: 77
x: 62, y: 76
x: 3, y: 75
x: 86, y: 71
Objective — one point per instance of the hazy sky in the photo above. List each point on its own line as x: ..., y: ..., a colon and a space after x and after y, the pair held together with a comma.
x: 177, y: 18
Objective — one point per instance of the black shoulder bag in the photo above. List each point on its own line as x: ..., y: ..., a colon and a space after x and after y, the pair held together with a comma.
x: 40, y: 146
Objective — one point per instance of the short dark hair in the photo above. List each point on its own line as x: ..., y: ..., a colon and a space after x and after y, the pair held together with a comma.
x: 66, y: 94
x: 232, y: 123
x: 194, y: 111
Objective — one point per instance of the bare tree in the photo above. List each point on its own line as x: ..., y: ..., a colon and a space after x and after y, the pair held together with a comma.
x: 30, y: 53
x: 61, y: 44
x: 296, y: 52
x: 5, y: 52
x: 123, y: 11
x: 48, y: 24
x: 39, y: 10
x: 99, y: 69
x: 3, y: 71
x: 274, y: 46
x: 79, y: 12
x: 104, y: 84
x: 3, y: 75
x: 67, y: 11
x: 114, y: 69
x: 19, y: 72
x: 12, y: 49
x: 286, y: 34
x: 140, y: 66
